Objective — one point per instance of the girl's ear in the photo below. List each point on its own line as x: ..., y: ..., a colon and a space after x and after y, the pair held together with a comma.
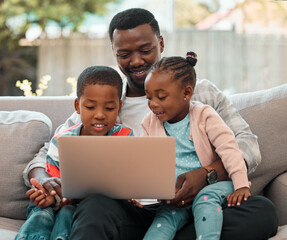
x: 188, y: 92
x: 77, y: 105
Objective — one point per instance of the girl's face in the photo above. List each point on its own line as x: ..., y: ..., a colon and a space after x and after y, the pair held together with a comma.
x: 167, y: 98
x: 99, y: 107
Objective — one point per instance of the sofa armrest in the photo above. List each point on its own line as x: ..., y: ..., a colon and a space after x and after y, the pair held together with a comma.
x: 277, y: 193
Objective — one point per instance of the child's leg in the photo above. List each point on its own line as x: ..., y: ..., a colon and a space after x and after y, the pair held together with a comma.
x: 38, y: 225
x: 207, y: 210
x: 63, y: 223
x: 167, y: 221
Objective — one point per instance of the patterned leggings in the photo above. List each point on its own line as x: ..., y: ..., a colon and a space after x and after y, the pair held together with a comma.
x: 206, y: 209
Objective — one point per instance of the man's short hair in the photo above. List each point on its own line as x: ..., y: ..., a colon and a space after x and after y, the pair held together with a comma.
x: 131, y: 18
x: 101, y: 75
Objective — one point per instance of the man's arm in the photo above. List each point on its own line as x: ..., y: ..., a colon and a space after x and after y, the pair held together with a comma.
x: 190, y: 183
x: 208, y: 93
x: 36, y: 167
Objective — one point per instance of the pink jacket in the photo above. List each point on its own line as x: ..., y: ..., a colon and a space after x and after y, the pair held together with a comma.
x: 211, y: 137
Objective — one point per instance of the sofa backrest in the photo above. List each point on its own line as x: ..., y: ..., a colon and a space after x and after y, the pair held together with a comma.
x: 57, y: 108
x: 266, y: 113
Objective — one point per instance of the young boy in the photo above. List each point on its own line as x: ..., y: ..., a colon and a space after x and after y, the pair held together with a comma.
x: 98, y: 102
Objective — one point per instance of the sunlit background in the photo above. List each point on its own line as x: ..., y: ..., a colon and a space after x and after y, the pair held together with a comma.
x: 241, y: 45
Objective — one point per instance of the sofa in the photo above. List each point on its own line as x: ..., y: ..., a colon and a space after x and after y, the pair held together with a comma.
x: 26, y: 123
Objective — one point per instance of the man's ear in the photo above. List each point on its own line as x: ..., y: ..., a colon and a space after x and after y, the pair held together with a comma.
x: 77, y: 105
x: 188, y: 92
x: 113, y: 49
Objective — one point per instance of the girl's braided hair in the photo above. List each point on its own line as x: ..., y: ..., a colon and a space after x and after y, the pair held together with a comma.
x: 182, y: 68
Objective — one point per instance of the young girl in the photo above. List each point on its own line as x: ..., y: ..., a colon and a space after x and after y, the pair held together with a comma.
x: 201, y: 136
x: 98, y: 102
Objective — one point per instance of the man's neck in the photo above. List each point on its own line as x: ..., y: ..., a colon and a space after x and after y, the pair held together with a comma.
x: 135, y: 92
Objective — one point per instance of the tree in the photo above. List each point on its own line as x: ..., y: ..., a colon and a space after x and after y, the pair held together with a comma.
x: 189, y: 13
x: 264, y: 13
x: 17, y: 16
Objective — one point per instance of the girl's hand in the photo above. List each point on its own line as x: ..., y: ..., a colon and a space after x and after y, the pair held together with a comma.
x: 135, y: 202
x: 236, y: 197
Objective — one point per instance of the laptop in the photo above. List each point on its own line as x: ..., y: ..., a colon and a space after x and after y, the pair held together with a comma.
x: 119, y: 167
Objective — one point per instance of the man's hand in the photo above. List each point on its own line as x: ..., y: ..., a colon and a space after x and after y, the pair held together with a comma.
x: 135, y: 202
x: 235, y: 198
x: 39, y: 195
x: 187, y: 186
x: 69, y: 201
x: 51, y: 184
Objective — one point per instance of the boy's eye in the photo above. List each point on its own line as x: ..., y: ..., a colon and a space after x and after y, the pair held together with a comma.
x: 110, y: 108
x: 89, y: 107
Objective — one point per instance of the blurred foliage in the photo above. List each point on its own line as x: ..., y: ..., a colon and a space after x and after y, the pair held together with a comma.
x: 27, y: 12
x: 16, y: 63
x: 26, y: 86
x: 16, y: 16
x: 189, y: 12
x: 264, y: 12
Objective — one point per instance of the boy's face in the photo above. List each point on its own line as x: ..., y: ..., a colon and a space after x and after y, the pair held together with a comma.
x: 167, y: 99
x: 135, y: 51
x: 99, y: 107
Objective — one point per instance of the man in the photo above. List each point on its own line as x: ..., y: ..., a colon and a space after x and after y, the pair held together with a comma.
x: 137, y: 44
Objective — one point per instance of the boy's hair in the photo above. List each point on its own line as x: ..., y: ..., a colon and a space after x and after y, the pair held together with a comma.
x: 101, y: 75
x: 132, y: 18
x: 181, y: 68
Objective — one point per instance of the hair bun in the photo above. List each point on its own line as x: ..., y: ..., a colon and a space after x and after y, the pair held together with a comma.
x: 191, y: 57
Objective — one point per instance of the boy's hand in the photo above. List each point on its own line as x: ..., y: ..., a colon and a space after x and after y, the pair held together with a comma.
x: 39, y: 195
x: 52, y: 185
x: 237, y: 196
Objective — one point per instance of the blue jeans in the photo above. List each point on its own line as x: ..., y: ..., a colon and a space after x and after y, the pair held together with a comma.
x: 46, y: 224
x: 207, y: 211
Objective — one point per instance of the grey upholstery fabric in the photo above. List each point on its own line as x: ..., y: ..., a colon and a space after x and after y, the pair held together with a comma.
x: 279, y: 185
x: 22, y: 133
x: 266, y: 113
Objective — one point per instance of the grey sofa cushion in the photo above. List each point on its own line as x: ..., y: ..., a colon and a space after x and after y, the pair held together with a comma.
x: 7, y: 234
x: 279, y: 185
x: 266, y: 113
x: 22, y: 134
x: 10, y: 224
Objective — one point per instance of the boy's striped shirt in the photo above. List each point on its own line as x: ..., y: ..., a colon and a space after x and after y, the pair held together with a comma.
x: 52, y: 160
